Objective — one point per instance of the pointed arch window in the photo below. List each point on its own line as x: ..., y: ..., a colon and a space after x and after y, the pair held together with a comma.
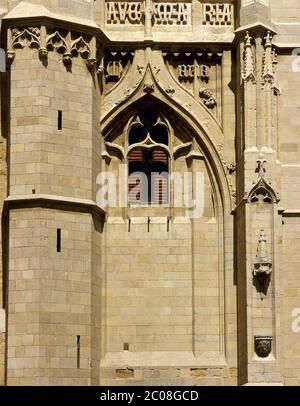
x: 148, y: 160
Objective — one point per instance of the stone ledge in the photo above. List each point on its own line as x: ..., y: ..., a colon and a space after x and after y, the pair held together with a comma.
x: 52, y: 202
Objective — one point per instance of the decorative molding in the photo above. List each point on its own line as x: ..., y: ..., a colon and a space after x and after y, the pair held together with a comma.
x: 52, y: 202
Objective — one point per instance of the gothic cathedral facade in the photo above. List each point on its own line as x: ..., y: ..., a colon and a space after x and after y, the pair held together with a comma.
x: 150, y: 192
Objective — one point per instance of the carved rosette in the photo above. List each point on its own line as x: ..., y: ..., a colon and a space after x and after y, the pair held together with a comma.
x: 263, y: 346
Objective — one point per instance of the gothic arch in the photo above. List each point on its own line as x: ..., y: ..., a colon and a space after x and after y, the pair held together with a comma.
x: 212, y: 157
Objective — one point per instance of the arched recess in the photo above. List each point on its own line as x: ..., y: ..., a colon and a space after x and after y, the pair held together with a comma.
x: 207, y: 243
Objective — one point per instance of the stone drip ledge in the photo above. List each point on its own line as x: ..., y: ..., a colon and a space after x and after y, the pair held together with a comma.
x: 52, y: 202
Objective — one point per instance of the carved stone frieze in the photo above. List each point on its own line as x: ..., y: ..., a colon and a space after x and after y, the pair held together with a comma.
x: 57, y: 42
x: 141, y: 13
x: 69, y: 44
x: 219, y: 14
x: 23, y: 36
x: 162, y: 13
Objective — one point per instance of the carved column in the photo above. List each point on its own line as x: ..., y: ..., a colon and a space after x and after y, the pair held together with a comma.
x: 257, y: 219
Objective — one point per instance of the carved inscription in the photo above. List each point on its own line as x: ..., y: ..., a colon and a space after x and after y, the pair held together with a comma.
x: 172, y: 13
x: 133, y: 12
x: 191, y: 71
x: 218, y: 14
x: 124, y: 12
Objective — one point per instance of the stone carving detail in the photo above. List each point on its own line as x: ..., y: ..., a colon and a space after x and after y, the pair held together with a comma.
x: 231, y: 168
x: 148, y: 13
x: 269, y: 61
x: 170, y: 90
x: 172, y: 13
x: 56, y: 42
x: 262, y: 191
x: 262, y: 266
x: 248, y: 71
x: 218, y: 14
x: 263, y: 346
x: 193, y: 71
x: 114, y: 70
x: 124, y: 12
x: 81, y: 47
x: 21, y: 36
x: 141, y: 69
x: 116, y: 65
x: 208, y: 98
x: 148, y: 88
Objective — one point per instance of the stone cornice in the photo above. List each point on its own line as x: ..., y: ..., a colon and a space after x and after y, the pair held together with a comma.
x: 53, y: 202
x: 257, y: 26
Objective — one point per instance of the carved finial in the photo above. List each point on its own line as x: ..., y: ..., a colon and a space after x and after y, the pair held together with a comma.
x: 269, y: 61
x: 261, y: 170
x: 268, y: 40
x: 248, y: 71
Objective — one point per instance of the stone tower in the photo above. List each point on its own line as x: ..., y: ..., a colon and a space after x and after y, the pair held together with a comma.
x: 150, y: 192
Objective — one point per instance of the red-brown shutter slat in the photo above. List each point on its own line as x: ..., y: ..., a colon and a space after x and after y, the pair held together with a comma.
x: 159, y: 155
